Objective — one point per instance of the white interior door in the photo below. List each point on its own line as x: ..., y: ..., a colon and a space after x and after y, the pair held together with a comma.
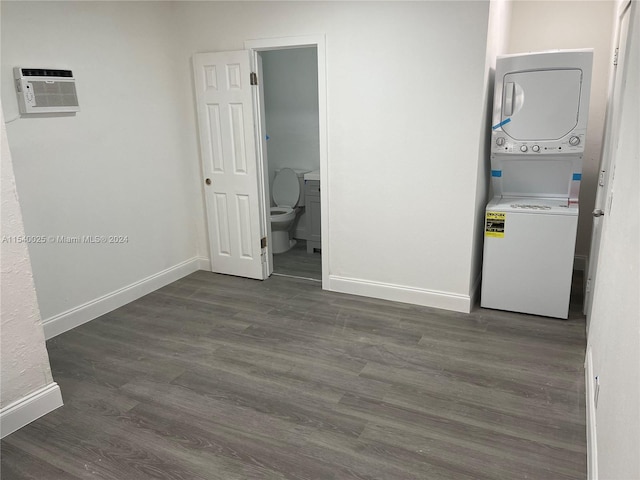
x: 228, y: 149
x: 607, y: 167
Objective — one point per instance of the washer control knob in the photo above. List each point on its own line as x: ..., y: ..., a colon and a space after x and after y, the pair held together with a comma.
x: 500, y: 141
x: 536, y: 148
x: 524, y: 148
x: 574, y: 141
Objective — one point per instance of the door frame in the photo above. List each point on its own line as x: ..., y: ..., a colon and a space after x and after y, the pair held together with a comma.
x: 607, y: 154
x: 282, y: 43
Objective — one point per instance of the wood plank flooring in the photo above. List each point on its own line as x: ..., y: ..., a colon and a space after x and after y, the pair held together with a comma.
x: 298, y: 263
x: 217, y: 377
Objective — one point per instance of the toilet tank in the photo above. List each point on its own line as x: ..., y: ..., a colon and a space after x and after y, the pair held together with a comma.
x: 300, y: 174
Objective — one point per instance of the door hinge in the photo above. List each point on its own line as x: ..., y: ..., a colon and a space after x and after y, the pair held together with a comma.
x: 253, y: 78
x: 615, y: 57
x: 263, y: 242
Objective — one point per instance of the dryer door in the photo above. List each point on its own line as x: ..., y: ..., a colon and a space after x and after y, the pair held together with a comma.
x: 542, y: 104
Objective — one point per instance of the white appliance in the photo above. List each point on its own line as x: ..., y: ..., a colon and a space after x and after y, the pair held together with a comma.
x: 46, y: 90
x: 541, y: 105
x: 528, y: 251
x: 541, y: 100
x: 288, y: 195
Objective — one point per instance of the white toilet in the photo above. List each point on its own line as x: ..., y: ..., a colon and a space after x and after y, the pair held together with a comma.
x: 288, y: 195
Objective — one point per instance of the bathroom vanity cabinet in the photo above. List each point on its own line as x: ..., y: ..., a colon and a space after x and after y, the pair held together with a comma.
x: 312, y: 206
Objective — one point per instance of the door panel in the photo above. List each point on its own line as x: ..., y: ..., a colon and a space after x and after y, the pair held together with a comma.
x: 227, y: 145
x: 611, y: 127
x: 215, y: 156
x: 222, y: 221
x: 542, y: 104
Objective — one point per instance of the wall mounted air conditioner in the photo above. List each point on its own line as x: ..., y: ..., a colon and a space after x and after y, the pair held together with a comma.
x: 46, y: 90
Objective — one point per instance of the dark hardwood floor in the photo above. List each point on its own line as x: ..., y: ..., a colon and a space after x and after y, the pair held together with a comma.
x: 217, y: 377
x: 298, y: 263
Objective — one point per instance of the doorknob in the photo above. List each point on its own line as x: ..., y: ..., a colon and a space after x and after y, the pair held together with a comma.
x: 598, y: 213
x: 208, y: 181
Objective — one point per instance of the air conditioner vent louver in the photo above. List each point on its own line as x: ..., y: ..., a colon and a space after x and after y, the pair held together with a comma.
x: 45, y: 72
x: 46, y: 90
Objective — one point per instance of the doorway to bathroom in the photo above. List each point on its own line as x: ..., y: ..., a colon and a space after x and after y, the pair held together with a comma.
x: 233, y: 135
x: 289, y: 140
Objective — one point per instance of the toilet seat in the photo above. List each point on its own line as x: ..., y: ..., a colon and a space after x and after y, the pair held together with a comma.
x: 287, y: 193
x: 281, y: 214
x: 286, y: 188
x: 280, y: 210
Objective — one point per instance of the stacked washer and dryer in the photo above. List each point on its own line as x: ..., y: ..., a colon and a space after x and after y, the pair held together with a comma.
x: 541, y: 105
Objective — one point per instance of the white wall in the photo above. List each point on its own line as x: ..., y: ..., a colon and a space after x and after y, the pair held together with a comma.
x: 547, y: 25
x: 405, y: 100
x: 614, y: 331
x: 290, y: 79
x: 24, y: 361
x: 118, y: 167
x: 497, y: 37
x: 291, y: 108
x: 406, y: 93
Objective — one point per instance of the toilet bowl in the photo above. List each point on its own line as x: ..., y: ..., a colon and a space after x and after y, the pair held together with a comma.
x: 288, y: 195
x: 282, y: 214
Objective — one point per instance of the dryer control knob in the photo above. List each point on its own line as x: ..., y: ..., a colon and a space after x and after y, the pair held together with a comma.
x: 524, y: 148
x: 536, y: 148
x: 574, y: 141
x: 500, y: 141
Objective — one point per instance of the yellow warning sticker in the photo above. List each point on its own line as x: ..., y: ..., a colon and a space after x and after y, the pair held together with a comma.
x: 494, y: 224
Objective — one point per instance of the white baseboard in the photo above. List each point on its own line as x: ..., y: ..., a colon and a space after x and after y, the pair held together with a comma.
x: 24, y: 411
x: 88, y: 311
x: 592, y: 446
x: 399, y: 293
x: 204, y: 263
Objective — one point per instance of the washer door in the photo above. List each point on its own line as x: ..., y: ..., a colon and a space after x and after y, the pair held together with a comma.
x: 286, y: 188
x: 542, y: 104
